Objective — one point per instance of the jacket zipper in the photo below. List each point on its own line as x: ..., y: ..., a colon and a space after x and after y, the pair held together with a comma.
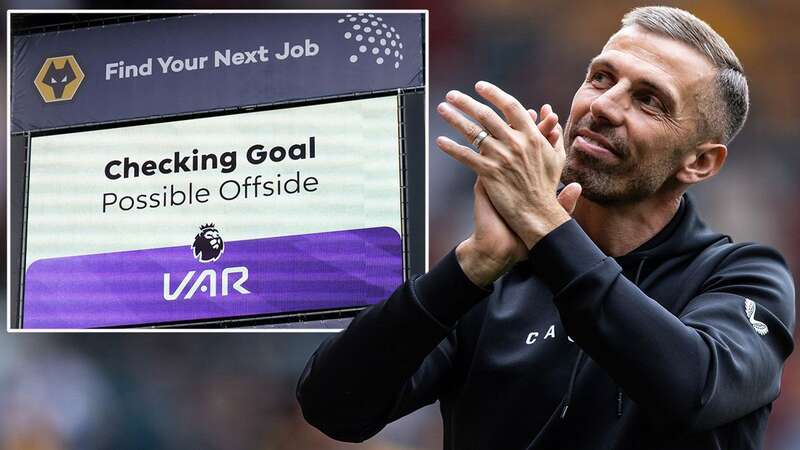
x: 576, y: 366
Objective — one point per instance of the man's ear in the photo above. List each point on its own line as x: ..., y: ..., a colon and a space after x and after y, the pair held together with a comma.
x: 702, y: 163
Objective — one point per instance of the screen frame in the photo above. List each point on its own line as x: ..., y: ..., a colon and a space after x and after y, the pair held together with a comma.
x: 274, y: 318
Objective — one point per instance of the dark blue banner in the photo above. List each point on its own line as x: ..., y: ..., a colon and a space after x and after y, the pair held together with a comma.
x: 206, y: 62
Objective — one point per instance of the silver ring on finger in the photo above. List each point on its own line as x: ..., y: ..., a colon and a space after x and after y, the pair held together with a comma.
x: 479, y: 139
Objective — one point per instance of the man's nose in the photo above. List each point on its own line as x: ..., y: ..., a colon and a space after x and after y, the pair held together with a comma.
x: 610, y: 107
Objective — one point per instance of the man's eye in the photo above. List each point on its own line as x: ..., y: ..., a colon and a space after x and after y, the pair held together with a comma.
x: 600, y: 80
x: 651, y: 101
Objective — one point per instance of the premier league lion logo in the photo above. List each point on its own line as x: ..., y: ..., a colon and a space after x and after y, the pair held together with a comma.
x: 208, y: 245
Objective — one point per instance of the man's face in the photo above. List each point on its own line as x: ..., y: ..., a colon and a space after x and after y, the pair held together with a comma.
x: 635, y: 117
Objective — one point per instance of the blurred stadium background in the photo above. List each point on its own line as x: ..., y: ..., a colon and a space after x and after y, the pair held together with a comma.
x: 224, y: 391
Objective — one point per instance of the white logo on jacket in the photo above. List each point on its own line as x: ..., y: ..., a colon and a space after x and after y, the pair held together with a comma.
x: 551, y: 333
x: 750, y: 310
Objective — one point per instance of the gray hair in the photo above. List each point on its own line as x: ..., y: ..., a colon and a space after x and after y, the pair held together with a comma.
x: 725, y: 112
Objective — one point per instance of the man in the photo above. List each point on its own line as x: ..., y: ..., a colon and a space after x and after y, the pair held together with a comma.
x: 628, y: 325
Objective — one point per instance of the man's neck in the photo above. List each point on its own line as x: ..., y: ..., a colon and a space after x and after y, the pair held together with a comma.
x: 619, y: 229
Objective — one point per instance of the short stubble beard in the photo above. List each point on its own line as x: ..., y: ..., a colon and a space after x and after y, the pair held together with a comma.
x: 614, y: 184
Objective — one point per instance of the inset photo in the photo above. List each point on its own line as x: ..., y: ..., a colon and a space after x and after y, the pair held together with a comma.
x: 258, y: 170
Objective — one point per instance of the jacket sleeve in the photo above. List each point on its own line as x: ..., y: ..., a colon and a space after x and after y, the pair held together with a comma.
x: 392, y: 359
x: 703, y: 369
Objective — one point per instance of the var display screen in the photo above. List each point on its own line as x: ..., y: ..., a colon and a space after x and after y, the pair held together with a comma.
x: 253, y: 214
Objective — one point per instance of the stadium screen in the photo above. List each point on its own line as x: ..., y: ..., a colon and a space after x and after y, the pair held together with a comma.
x: 243, y: 215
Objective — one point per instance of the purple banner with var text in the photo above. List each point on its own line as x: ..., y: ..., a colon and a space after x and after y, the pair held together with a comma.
x: 224, y: 280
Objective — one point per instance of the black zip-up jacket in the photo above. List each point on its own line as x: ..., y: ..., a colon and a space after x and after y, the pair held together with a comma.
x: 679, y: 344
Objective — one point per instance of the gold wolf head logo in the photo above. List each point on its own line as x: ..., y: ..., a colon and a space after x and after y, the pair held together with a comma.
x: 59, y: 78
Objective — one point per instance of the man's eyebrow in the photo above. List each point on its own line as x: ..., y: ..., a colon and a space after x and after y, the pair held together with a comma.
x: 599, y: 60
x: 663, y: 92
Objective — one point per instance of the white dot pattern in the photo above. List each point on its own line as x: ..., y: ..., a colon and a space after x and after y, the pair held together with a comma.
x: 384, y: 39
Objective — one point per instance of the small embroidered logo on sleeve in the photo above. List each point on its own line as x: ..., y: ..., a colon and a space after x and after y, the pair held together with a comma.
x: 750, y: 310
